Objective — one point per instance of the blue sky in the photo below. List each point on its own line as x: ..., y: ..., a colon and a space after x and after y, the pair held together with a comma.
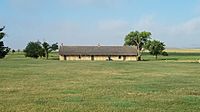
x: 89, y: 22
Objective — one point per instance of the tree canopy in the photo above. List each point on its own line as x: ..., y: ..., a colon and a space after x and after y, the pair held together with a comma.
x: 155, y: 47
x: 38, y: 49
x: 3, y: 50
x: 34, y: 50
x: 138, y: 39
x: 47, y: 48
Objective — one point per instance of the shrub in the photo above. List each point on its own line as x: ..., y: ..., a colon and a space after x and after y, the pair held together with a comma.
x: 165, y: 53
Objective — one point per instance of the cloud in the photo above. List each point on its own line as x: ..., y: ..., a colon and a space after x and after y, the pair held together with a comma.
x: 146, y: 23
x: 53, y: 32
x: 113, y: 25
x: 35, y: 23
x: 189, y: 27
x: 184, y: 34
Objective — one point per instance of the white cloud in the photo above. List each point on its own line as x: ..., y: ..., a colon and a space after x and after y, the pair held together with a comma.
x: 184, y: 34
x: 113, y: 25
x: 188, y: 28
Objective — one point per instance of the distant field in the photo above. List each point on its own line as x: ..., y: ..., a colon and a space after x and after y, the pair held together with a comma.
x: 32, y: 85
x: 177, y: 55
x: 184, y: 50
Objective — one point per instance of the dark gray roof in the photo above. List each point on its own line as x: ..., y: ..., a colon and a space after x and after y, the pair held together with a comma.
x: 98, y: 50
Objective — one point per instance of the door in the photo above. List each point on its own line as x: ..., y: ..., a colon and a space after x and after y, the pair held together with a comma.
x: 65, y: 57
x: 92, y: 58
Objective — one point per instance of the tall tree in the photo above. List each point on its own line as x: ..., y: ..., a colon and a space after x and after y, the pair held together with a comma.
x: 54, y: 47
x: 155, y: 47
x: 138, y: 39
x: 3, y: 50
x: 47, y: 48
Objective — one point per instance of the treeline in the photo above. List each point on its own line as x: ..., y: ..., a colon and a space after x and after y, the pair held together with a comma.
x: 38, y: 49
x: 142, y: 41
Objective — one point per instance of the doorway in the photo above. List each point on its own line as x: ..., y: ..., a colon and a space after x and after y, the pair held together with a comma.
x: 92, y: 58
x: 65, y: 57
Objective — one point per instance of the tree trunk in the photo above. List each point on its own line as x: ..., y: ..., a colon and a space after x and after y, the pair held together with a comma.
x: 138, y: 53
x: 156, y: 57
x: 47, y: 55
x: 139, y: 58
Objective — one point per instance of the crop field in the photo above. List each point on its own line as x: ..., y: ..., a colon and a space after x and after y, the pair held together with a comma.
x: 170, y: 84
x: 184, y: 50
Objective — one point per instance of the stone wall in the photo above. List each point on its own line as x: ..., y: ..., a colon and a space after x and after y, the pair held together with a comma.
x: 99, y: 58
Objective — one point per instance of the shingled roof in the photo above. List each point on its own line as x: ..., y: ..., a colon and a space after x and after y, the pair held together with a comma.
x: 98, y: 50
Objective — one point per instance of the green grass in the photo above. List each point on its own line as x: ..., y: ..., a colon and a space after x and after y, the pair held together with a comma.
x: 174, y: 56
x: 82, y: 86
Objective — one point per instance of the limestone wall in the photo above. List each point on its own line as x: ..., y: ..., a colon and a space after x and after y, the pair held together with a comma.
x: 61, y: 58
x: 131, y: 58
x: 73, y: 58
x: 86, y: 58
x: 117, y: 58
x: 99, y: 58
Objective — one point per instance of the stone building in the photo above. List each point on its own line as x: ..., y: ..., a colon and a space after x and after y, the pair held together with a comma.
x: 98, y: 53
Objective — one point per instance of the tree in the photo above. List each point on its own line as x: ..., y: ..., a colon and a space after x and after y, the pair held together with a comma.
x: 13, y: 51
x: 54, y: 47
x: 38, y: 49
x: 34, y: 50
x: 3, y: 50
x: 138, y: 39
x: 155, y: 47
x: 47, y: 48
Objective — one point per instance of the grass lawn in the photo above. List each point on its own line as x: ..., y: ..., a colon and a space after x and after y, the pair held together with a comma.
x: 81, y: 86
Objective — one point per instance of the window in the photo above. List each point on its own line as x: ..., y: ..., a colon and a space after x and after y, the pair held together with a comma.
x: 120, y: 57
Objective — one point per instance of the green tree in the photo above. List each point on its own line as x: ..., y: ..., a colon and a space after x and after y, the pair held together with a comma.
x: 3, y: 50
x: 138, y: 39
x: 54, y: 47
x: 34, y: 50
x: 13, y: 51
x: 155, y: 47
x: 47, y: 48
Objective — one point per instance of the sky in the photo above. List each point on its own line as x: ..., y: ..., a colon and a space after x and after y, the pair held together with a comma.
x: 105, y: 22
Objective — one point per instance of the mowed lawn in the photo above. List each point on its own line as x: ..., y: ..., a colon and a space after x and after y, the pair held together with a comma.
x: 32, y: 85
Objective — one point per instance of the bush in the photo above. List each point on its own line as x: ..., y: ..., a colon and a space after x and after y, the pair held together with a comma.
x: 13, y: 51
x: 165, y: 53
x: 34, y: 50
